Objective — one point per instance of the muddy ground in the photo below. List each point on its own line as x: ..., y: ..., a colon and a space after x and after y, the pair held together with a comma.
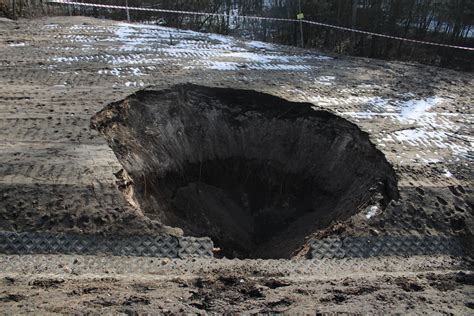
x: 57, y: 174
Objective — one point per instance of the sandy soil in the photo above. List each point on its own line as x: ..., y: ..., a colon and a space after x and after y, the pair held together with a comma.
x: 57, y: 174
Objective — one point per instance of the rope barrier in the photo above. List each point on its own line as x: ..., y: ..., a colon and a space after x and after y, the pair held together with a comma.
x: 257, y: 18
x: 388, y: 36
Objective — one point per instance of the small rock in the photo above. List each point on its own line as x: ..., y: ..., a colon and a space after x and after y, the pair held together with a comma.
x: 374, y: 232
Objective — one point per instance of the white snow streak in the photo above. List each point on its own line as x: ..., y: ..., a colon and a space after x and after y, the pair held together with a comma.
x: 415, y: 109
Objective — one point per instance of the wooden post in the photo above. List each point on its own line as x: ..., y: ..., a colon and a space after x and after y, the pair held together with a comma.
x: 301, y: 25
x: 14, y: 9
x: 354, y: 12
x: 128, y: 12
x: 355, y: 3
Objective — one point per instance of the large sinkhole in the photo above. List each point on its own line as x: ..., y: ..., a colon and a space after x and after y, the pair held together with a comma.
x: 254, y: 172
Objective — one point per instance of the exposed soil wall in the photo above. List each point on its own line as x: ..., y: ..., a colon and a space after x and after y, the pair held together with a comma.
x: 254, y: 172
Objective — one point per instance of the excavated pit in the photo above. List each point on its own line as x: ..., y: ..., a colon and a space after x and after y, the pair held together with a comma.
x: 254, y: 172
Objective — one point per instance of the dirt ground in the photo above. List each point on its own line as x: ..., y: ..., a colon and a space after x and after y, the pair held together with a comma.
x: 57, y: 174
x: 113, y: 285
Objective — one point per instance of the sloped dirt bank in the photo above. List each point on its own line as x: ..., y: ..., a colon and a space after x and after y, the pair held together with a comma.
x: 254, y: 172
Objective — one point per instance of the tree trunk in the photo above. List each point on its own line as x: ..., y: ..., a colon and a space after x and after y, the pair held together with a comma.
x: 14, y: 9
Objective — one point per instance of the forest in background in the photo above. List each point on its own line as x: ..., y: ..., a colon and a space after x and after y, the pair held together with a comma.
x: 442, y: 21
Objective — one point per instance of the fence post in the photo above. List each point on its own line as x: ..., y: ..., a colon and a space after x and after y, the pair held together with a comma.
x: 355, y: 3
x: 128, y: 12
x: 14, y: 9
x: 300, y: 17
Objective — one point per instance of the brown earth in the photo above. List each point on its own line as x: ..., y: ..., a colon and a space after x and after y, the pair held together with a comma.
x: 113, y: 285
x: 56, y: 73
x: 57, y: 174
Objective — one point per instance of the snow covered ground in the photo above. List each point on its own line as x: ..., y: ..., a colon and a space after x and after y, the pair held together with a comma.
x: 142, y: 49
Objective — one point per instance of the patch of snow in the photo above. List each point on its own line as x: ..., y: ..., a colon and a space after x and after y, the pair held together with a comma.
x: 125, y: 33
x: 380, y: 102
x: 130, y: 71
x: 263, y: 58
x: 430, y: 160
x: 249, y: 56
x: 116, y: 72
x: 321, y: 57
x: 325, y: 80
x: 228, y: 66
x: 371, y: 211
x: 367, y: 115
x: 365, y: 86
x: 286, y: 67
x: 350, y: 100
x: 415, y: 109
x: 139, y: 25
x: 260, y: 45
x: 51, y: 26
x: 217, y: 65
x: 17, y: 44
x: 220, y: 38
x: 136, y: 71
x: 134, y: 84
x: 447, y: 174
x: 411, y: 135
x: 422, y: 138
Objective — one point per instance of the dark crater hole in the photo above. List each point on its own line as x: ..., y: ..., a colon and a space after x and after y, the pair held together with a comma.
x: 254, y: 172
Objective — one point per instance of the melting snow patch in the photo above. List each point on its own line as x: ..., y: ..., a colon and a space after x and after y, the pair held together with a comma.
x: 447, y: 174
x: 414, y: 135
x: 17, y: 44
x: 249, y: 56
x: 220, y: 38
x: 134, y: 84
x: 223, y: 66
x: 371, y: 211
x: 51, y: 26
x: 421, y: 138
x: 350, y: 100
x: 260, y: 45
x: 380, y: 103
x: 124, y: 34
x: 136, y: 71
x: 415, y: 109
x: 321, y: 57
x: 430, y: 160
x: 132, y: 71
x: 325, y: 80
x: 266, y: 58
x: 115, y: 72
x: 219, y: 65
